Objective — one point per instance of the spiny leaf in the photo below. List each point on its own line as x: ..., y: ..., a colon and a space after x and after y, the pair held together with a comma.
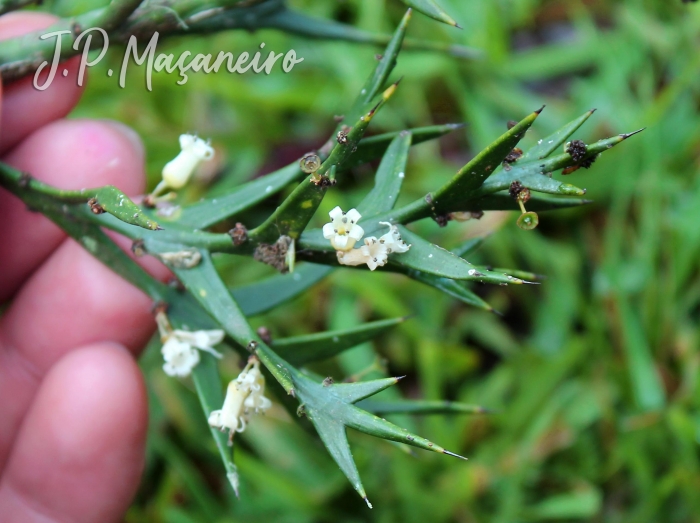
x: 313, y: 347
x: 213, y: 210
x: 502, y: 201
x: 342, y: 152
x: 429, y: 258
x: 474, y: 174
x: 256, y: 298
x: 530, y: 174
x: 111, y: 200
x: 333, y: 434
x: 451, y: 288
x: 524, y: 275
x: 380, y: 76
x: 330, y: 414
x: 374, y: 426
x: 295, y: 22
x: 354, y: 392
x: 551, y: 143
x: 469, y: 246
x: 389, y: 177
x: 420, y: 407
x: 373, y: 147
x: 431, y: 9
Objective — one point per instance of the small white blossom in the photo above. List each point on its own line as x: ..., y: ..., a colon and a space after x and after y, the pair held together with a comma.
x: 375, y: 252
x: 392, y: 240
x: 180, y: 347
x: 178, y: 171
x: 244, y: 396
x: 343, y: 230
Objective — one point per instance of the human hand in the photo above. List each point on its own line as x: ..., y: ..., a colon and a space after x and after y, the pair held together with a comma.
x: 73, y: 406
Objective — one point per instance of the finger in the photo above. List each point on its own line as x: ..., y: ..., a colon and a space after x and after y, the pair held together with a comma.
x: 72, y: 300
x: 24, y: 108
x: 70, y: 154
x: 79, y: 455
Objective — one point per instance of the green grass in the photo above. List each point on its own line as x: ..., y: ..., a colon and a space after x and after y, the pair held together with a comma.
x: 592, y: 376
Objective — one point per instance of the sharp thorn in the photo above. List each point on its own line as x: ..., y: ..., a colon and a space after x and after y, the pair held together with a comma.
x: 454, y: 455
x: 540, y: 109
x: 458, y: 26
x: 399, y: 378
x: 498, y: 313
x: 159, y: 228
x: 367, y: 501
x: 627, y: 135
x: 397, y: 82
x: 592, y: 110
x: 456, y: 125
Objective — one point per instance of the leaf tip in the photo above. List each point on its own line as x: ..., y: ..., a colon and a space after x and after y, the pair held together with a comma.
x: 627, y: 135
x: 591, y: 111
x: 367, y: 501
x: 454, y: 455
x: 538, y: 111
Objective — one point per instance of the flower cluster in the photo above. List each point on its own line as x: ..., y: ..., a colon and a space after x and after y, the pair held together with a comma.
x: 180, y: 347
x: 244, y: 396
x: 343, y: 232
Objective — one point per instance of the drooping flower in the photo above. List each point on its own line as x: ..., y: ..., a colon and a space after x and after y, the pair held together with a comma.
x: 343, y: 230
x: 178, y: 171
x: 181, y: 348
x: 392, y: 240
x: 244, y: 396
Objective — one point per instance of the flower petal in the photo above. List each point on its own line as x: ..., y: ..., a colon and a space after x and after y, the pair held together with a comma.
x: 337, y: 212
x: 353, y: 215
x: 356, y: 232
x: 328, y: 231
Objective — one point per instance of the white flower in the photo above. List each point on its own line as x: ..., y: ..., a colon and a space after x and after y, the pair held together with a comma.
x: 343, y: 230
x: 180, y: 347
x: 392, y: 240
x: 375, y: 252
x: 177, y: 172
x: 180, y: 358
x: 244, y: 396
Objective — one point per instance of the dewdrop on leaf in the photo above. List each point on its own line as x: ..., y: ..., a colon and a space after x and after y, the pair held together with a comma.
x: 343, y: 230
x: 178, y: 172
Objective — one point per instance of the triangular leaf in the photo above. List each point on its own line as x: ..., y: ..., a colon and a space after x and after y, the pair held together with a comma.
x: 353, y: 392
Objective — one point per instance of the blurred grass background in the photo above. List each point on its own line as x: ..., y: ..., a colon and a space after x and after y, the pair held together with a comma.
x: 593, y: 375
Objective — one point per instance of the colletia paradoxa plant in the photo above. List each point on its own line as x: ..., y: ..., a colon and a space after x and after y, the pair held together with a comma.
x: 201, y: 313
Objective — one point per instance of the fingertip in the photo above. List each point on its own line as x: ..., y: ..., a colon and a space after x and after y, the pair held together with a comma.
x: 79, y: 454
x: 25, y: 108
